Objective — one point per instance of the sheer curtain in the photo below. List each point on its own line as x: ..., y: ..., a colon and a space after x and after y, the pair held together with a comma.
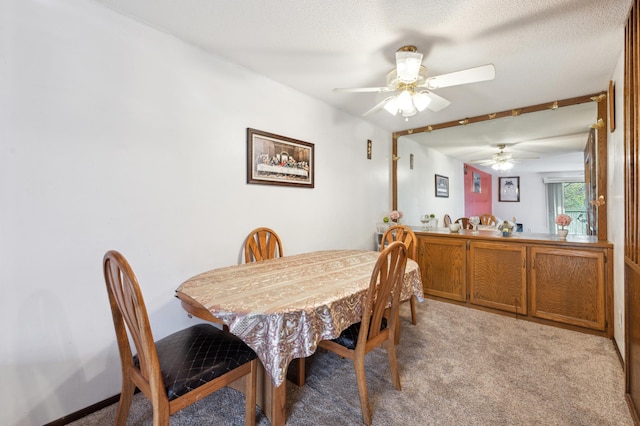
x: 555, y: 204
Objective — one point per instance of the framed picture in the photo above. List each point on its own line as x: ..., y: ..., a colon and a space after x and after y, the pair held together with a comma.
x: 476, y: 182
x: 278, y: 160
x: 509, y: 189
x: 442, y: 186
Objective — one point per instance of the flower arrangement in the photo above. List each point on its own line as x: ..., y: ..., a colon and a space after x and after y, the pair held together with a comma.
x: 563, y: 220
x: 393, y: 216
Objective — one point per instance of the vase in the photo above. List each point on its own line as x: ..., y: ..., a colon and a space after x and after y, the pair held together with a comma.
x: 562, y: 233
x: 382, y: 227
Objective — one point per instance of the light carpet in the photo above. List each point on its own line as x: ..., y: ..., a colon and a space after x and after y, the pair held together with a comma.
x: 459, y: 366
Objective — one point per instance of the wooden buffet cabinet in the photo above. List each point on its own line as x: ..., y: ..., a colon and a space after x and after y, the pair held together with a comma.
x: 538, y: 277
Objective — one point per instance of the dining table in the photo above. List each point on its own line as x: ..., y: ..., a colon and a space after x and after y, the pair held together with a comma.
x: 283, y: 307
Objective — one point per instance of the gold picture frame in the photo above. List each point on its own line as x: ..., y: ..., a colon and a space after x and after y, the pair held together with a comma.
x: 278, y: 160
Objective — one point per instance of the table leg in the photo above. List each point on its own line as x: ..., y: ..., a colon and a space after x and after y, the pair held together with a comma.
x: 278, y: 404
x: 272, y: 400
x: 296, y: 371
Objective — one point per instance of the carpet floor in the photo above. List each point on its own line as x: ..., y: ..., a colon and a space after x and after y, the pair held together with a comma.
x: 459, y: 366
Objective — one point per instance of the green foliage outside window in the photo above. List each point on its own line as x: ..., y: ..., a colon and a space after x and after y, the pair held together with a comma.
x: 574, y: 196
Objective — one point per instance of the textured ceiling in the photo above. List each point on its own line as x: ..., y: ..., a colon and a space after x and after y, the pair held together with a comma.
x: 543, y: 50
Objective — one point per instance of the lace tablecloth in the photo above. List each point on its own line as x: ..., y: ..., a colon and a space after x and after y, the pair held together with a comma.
x: 282, y: 307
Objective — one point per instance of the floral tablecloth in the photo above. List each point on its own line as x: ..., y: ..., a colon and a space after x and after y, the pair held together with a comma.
x: 282, y: 307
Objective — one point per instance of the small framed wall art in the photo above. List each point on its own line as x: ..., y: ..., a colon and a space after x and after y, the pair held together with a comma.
x: 509, y: 189
x: 477, y: 182
x: 279, y: 160
x: 442, y: 186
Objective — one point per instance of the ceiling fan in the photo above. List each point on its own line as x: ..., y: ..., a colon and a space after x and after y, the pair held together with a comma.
x: 501, y: 160
x: 412, y: 89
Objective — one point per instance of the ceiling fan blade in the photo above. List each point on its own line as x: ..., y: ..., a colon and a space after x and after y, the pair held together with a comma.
x: 437, y: 102
x: 471, y: 75
x: 364, y: 89
x: 486, y: 161
x: 378, y: 106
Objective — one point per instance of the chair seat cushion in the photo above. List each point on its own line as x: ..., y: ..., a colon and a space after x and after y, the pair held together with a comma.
x: 349, y: 337
x: 196, y: 355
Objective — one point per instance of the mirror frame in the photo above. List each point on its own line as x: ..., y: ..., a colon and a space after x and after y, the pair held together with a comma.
x: 601, y: 145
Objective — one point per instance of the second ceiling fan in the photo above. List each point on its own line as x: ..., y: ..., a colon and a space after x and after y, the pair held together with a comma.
x: 501, y: 160
x: 411, y: 90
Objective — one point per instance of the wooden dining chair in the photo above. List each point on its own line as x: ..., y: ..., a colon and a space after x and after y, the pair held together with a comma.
x: 408, y: 237
x: 180, y: 369
x: 375, y: 329
x: 465, y: 222
x: 447, y: 220
x: 261, y: 244
x: 487, y: 219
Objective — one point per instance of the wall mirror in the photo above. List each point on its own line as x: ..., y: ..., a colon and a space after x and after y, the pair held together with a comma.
x: 556, y: 136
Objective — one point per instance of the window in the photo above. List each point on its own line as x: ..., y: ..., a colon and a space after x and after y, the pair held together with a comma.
x: 568, y: 198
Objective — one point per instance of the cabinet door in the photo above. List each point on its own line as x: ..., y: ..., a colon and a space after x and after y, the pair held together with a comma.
x: 498, y: 276
x: 568, y: 286
x: 444, y: 267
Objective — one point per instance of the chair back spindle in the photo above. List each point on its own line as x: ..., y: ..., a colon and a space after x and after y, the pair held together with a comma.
x: 261, y: 244
x: 408, y: 237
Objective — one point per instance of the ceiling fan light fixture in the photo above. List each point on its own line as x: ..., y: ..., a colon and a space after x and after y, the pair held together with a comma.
x: 421, y: 101
x: 502, y: 166
x: 392, y: 106
x: 408, y: 63
x: 404, y: 101
x: 409, y: 112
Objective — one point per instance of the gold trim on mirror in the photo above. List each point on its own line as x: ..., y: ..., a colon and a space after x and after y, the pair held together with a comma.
x: 508, y: 113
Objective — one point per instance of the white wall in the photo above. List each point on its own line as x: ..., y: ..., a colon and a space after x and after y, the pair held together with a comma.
x: 531, y: 211
x: 416, y: 194
x: 116, y: 136
x: 615, y: 203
